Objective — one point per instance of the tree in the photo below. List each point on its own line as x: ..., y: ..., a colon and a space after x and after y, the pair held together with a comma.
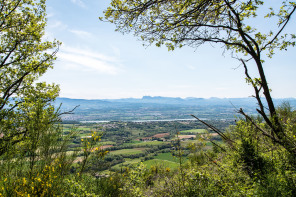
x: 24, y: 57
x: 227, y: 22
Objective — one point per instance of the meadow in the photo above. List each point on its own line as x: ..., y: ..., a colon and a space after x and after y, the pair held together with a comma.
x: 193, y: 131
x: 127, y: 147
x: 126, y: 152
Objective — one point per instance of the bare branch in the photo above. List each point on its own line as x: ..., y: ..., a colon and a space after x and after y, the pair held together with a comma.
x: 228, y: 140
x: 258, y: 127
x: 16, y: 84
x: 69, y: 112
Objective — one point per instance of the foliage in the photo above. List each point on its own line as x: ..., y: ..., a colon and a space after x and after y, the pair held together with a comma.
x: 24, y: 57
x: 89, y: 146
x: 110, y: 186
x: 38, y: 164
x: 178, y: 23
x: 33, y: 147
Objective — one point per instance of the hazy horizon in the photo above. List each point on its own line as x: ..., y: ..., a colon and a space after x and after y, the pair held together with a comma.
x: 174, y: 97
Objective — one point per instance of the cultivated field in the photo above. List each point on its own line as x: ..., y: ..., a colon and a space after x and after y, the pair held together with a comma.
x: 194, y: 131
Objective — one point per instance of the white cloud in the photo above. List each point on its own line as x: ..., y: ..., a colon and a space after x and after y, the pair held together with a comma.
x: 57, y: 25
x: 86, y: 60
x: 79, y: 3
x: 80, y: 33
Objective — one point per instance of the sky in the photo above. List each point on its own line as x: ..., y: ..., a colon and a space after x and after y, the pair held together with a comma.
x: 95, y: 62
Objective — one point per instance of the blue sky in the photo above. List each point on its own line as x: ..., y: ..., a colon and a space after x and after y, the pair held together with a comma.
x: 95, y: 62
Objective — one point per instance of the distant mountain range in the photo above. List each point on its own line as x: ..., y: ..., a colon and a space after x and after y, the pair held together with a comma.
x: 68, y: 103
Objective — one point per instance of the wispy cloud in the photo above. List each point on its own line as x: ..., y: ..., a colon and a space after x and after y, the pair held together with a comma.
x: 81, y: 33
x: 56, y: 24
x: 90, y: 61
x: 79, y: 3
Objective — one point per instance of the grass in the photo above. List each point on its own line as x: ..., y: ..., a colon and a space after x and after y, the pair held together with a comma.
x: 169, y: 157
x: 68, y: 126
x: 126, y: 152
x: 68, y: 129
x: 187, y: 142
x: 166, y: 156
x: 82, y: 128
x: 132, y: 161
x: 162, y: 163
x: 151, y: 143
x: 194, y: 131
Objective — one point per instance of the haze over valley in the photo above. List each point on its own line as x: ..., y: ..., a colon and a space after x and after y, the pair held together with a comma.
x: 159, y: 108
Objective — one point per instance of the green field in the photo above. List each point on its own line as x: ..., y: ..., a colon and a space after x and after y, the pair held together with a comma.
x: 162, y: 159
x: 194, y: 131
x: 151, y: 143
x: 137, y: 148
x: 169, y: 157
x: 84, y: 128
x: 162, y: 163
x: 132, y: 161
x: 166, y: 156
x: 126, y: 152
x: 186, y: 143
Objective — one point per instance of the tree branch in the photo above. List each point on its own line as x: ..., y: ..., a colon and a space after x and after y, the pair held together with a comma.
x: 258, y: 127
x: 280, y: 31
x: 228, y: 140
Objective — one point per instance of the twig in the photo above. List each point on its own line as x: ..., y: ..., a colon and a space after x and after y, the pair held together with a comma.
x: 70, y: 112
